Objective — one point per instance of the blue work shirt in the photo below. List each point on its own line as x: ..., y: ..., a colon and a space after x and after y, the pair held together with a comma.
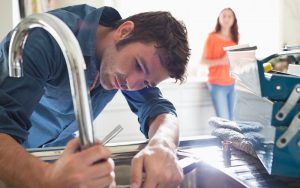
x: 37, y: 109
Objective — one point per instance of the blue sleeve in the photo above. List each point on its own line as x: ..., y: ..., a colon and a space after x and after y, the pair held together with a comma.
x: 19, y: 96
x: 146, y: 104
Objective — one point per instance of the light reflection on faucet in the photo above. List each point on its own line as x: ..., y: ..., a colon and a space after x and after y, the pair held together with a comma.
x: 75, y: 63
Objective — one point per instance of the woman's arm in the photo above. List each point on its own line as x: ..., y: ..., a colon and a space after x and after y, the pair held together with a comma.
x: 213, y: 62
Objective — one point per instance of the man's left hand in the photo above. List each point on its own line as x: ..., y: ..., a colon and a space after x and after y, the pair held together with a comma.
x: 156, y: 166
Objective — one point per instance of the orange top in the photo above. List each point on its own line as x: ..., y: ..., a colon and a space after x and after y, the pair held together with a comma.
x: 218, y: 74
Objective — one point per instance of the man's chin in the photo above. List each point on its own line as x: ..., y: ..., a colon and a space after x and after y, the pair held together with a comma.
x: 104, y: 81
x: 106, y: 86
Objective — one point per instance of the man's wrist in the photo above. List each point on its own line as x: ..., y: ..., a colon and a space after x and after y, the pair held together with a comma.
x: 163, y: 143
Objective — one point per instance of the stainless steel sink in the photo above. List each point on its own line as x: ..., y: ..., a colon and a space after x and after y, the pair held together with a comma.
x: 123, y: 168
x: 198, y: 173
x: 202, y: 175
x: 206, y: 167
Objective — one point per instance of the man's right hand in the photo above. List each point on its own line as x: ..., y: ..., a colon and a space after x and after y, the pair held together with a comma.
x: 82, y: 169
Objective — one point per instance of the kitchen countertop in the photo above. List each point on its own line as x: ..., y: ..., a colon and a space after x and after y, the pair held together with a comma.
x: 242, y: 169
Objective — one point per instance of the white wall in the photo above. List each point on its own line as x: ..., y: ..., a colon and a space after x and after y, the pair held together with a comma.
x: 95, y: 3
x: 290, y: 21
x: 5, y: 18
x: 191, y: 100
x: 9, y: 16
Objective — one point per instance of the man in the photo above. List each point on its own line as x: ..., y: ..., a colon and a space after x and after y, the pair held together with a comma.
x: 132, y: 55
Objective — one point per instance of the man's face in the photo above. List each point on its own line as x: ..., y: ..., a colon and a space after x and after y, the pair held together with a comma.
x: 132, y: 67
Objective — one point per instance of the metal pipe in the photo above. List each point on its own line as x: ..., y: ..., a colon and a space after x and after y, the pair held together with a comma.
x: 75, y: 63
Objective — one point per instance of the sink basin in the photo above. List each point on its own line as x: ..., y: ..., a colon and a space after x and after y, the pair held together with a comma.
x: 123, y: 171
x: 209, y: 171
x: 202, y: 175
x: 197, y: 174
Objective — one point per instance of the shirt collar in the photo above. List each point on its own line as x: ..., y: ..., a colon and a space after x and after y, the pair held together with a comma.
x: 87, y: 32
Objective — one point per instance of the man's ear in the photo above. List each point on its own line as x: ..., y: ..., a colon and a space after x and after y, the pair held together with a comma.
x: 125, y: 29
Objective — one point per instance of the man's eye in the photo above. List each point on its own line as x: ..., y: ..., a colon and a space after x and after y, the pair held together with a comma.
x: 138, y: 66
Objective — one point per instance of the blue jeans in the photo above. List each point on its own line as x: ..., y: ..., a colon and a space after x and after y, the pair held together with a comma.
x: 223, y: 100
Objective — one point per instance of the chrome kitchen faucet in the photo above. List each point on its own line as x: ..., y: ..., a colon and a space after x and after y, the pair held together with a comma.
x: 75, y: 63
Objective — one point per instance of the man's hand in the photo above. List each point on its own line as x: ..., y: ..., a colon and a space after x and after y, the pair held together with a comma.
x: 82, y: 169
x: 160, y: 165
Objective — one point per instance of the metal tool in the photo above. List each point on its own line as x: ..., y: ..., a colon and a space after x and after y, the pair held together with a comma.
x: 112, y: 134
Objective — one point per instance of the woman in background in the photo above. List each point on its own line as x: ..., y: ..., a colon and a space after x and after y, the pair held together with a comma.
x: 220, y: 84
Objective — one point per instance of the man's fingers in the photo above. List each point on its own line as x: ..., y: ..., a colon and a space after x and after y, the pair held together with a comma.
x: 101, y: 169
x: 94, y: 154
x: 136, y: 172
x: 106, y: 181
x: 72, y: 146
x: 88, y: 156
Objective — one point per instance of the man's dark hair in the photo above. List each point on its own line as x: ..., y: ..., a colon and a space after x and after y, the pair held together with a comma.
x: 169, y: 35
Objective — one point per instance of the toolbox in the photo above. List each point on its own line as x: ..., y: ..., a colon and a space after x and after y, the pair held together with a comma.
x: 270, y: 97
